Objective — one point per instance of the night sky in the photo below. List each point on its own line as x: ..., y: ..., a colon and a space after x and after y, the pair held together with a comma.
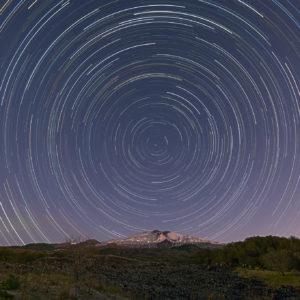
x: 118, y: 117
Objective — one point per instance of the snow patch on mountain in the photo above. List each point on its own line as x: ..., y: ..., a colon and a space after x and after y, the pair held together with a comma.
x: 155, y: 237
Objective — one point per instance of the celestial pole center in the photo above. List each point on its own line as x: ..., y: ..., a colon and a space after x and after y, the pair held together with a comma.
x: 118, y: 117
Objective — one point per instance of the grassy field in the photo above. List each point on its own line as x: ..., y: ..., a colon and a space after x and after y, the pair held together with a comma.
x: 272, y: 278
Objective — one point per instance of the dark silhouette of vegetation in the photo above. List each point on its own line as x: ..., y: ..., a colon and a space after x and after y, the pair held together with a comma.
x: 110, y: 251
x: 11, y: 283
x: 187, y: 247
x: 38, y: 246
x: 271, y: 252
x: 5, y: 295
x: 19, y: 255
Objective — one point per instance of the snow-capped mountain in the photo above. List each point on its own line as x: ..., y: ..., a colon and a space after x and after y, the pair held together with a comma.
x: 157, y: 238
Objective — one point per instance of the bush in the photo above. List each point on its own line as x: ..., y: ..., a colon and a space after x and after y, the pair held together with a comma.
x: 12, y: 283
x: 271, y: 252
x: 5, y: 295
x: 280, y: 260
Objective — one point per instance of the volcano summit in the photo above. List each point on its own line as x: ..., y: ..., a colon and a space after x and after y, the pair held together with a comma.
x: 161, y: 239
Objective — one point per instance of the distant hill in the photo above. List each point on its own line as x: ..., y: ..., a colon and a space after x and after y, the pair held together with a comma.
x: 161, y: 239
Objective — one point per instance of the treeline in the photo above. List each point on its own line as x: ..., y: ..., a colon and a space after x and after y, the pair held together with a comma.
x: 271, y: 252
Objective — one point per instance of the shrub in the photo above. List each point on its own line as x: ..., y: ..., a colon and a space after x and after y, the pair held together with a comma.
x: 5, y: 295
x: 12, y: 283
x: 271, y: 252
x: 280, y: 261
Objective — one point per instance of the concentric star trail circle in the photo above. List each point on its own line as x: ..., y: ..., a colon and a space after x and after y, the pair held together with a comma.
x: 123, y: 116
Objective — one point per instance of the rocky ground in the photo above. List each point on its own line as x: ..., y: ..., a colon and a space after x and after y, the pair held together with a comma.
x: 181, y: 281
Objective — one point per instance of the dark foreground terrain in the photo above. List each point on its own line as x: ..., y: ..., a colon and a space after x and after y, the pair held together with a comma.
x: 83, y: 271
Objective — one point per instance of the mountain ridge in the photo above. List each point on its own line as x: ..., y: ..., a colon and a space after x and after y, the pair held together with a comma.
x: 161, y: 239
x: 147, y: 239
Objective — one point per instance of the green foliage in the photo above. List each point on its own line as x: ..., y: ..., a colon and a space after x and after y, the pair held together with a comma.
x: 29, y: 256
x: 19, y: 256
x: 272, y: 278
x: 278, y: 260
x: 11, y: 283
x: 110, y: 251
x: 186, y: 247
x: 274, y: 253
x: 5, y: 295
x: 39, y: 247
x: 5, y: 254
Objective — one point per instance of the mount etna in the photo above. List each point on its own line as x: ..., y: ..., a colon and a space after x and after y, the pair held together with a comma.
x: 161, y: 239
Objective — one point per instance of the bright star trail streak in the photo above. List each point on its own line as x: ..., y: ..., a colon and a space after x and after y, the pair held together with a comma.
x: 118, y: 117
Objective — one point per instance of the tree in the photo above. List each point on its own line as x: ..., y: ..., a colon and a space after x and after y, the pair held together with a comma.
x: 280, y: 260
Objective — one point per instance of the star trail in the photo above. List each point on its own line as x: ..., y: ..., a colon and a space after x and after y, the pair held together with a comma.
x: 118, y: 117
